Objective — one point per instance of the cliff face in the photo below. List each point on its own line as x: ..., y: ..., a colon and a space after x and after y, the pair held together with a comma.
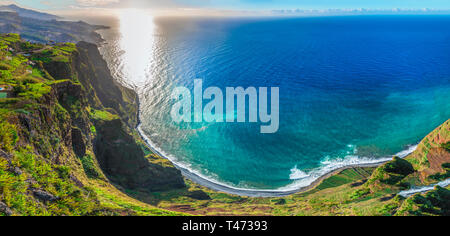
x: 93, y: 73
x: 123, y: 160
x: 68, y: 125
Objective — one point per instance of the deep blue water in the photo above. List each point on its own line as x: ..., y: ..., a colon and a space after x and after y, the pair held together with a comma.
x: 352, y: 89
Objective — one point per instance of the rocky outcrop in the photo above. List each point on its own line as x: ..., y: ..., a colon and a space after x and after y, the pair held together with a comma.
x: 44, y: 196
x: 115, y: 148
x: 78, y: 144
x: 59, y: 70
x: 5, y: 209
x: 124, y: 162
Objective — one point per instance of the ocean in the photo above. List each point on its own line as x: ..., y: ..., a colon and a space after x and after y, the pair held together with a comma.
x: 353, y: 89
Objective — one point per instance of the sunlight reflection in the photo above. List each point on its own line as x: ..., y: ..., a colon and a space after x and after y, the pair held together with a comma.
x: 137, y: 43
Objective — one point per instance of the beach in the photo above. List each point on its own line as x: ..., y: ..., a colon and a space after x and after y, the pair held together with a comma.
x: 214, y: 185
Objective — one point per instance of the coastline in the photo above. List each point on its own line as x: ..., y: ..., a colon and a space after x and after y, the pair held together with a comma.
x: 220, y: 187
x: 216, y: 186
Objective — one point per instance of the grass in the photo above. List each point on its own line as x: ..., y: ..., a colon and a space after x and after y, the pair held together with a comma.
x: 89, y: 166
x: 323, y: 200
x: 10, y: 38
x: 57, y: 53
x: 345, y: 177
x: 110, y: 197
x: 34, y: 91
x: 15, y: 191
x: 103, y: 115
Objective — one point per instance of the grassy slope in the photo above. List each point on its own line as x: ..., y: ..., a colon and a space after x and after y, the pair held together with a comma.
x: 336, y: 195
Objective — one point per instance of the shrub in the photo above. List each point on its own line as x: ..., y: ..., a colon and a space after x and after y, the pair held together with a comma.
x: 103, y: 115
x: 8, y: 136
x: 89, y: 167
x: 391, y: 173
x: 360, y: 193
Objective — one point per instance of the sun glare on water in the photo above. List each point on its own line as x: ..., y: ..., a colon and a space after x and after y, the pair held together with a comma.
x: 137, y: 42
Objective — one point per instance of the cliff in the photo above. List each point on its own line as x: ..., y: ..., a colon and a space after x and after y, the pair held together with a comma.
x: 67, y: 136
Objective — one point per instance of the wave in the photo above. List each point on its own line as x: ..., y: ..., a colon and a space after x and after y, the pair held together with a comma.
x: 297, y: 174
x: 302, y: 180
x: 329, y: 166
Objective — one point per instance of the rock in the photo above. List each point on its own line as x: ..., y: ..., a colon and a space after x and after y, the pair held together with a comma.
x: 5, y: 209
x: 280, y: 201
x: 5, y: 155
x: 16, y: 170
x: 79, y: 147
x: 199, y: 195
x: 387, y: 198
x: 125, y: 164
x: 31, y: 181
x: 25, y: 121
x: 359, y: 183
x: 59, y: 70
x: 76, y: 181
x: 44, y: 196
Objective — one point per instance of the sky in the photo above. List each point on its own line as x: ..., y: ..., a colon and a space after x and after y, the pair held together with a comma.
x: 250, y: 5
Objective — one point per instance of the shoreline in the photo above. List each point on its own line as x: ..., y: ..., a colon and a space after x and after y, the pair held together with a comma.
x: 220, y: 187
x: 215, y: 186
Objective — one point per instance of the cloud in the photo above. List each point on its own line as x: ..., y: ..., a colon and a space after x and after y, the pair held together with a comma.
x: 95, y: 3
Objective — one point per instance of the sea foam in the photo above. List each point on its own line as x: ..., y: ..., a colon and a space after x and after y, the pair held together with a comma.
x: 300, y: 178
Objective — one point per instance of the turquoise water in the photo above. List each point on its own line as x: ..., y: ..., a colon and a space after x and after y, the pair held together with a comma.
x: 352, y: 89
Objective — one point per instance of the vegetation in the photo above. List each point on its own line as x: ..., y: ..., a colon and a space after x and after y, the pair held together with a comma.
x: 390, y: 174
x: 57, y: 53
x: 103, y: 115
x: 8, y: 136
x: 436, y: 202
x: 39, y: 172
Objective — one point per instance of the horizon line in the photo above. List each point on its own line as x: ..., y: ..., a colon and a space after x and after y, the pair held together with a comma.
x: 273, y: 12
